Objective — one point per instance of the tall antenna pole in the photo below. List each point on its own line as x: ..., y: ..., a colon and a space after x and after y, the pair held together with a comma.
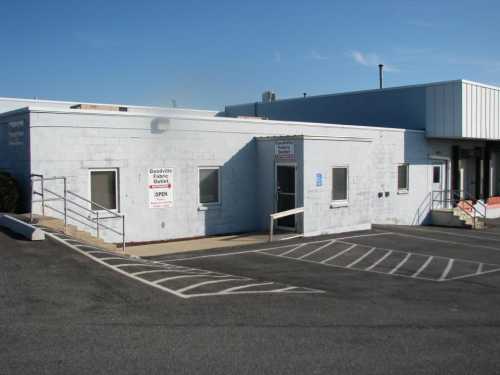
x: 381, y: 75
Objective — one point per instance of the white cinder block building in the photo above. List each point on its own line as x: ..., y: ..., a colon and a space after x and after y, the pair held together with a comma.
x: 350, y: 160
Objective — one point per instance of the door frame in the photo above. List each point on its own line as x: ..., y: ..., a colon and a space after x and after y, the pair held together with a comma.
x: 275, y: 189
x: 445, y: 163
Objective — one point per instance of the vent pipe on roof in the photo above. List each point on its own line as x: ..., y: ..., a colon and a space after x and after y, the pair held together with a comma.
x: 381, y: 75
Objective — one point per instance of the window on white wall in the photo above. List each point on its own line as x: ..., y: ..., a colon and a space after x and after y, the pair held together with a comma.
x: 209, y: 181
x: 403, y: 179
x: 339, y: 184
x: 104, y: 189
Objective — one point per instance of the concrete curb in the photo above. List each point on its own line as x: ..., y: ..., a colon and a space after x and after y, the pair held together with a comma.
x: 20, y: 227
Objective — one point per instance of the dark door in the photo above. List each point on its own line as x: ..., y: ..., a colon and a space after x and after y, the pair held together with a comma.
x: 285, y: 194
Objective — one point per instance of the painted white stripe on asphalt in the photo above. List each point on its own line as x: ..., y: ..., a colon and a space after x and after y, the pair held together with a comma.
x: 133, y: 264
x: 445, y: 241
x: 426, y: 263
x: 111, y: 258
x: 453, y: 234
x: 361, y: 257
x: 234, y: 288
x: 351, y: 269
x: 446, y: 270
x: 164, y: 288
x: 152, y: 271
x: 95, y: 259
x: 339, y: 254
x: 182, y: 290
x: 318, y: 249
x: 479, y: 268
x: 292, y: 250
x: 272, y: 248
x: 175, y: 277
x: 472, y: 274
x: 386, y: 255
x: 285, y: 289
x: 400, y: 264
x: 277, y: 291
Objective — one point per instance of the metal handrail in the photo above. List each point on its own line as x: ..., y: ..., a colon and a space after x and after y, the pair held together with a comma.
x: 93, y: 218
x: 95, y: 204
x: 279, y: 215
x: 455, y: 200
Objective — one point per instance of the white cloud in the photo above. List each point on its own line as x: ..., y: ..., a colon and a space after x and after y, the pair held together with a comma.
x: 370, y: 59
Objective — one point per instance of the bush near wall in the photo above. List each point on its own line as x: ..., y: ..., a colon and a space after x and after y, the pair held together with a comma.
x: 9, y: 193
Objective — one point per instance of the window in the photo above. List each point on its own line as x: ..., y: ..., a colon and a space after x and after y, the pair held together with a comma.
x: 103, y: 189
x: 209, y: 179
x: 403, y: 177
x: 339, y: 184
x: 436, y: 174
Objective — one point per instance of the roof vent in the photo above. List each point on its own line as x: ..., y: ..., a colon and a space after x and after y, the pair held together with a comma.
x: 268, y: 96
x: 99, y: 107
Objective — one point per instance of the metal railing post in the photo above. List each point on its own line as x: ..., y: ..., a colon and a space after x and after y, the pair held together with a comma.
x: 43, y: 196
x: 123, y: 233
x: 271, y: 229
x: 97, y: 224
x: 31, y: 190
x: 65, y: 201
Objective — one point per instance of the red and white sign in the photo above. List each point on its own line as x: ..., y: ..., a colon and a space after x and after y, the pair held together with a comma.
x: 160, y: 187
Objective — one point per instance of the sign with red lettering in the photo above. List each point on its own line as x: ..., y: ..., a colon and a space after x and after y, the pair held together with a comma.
x: 160, y: 187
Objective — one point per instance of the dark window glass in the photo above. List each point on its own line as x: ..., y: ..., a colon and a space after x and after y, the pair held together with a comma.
x: 436, y: 175
x: 103, y: 189
x: 209, y: 185
x: 339, y: 184
x: 403, y: 177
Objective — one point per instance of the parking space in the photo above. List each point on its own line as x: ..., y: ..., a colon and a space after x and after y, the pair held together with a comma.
x: 421, y: 253
x: 181, y: 281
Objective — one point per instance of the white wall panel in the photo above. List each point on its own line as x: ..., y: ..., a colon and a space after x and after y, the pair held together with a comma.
x: 481, y: 107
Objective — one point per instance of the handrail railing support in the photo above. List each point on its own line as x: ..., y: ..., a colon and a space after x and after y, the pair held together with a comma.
x: 279, y: 215
x: 123, y: 233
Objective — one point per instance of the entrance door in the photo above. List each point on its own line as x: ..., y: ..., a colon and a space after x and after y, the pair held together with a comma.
x: 285, y: 194
x: 438, y: 177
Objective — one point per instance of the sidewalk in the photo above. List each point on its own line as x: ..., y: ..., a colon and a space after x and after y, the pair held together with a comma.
x: 205, y: 243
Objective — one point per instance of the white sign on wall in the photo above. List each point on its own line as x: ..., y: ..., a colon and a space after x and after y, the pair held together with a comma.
x: 284, y: 151
x: 160, y: 187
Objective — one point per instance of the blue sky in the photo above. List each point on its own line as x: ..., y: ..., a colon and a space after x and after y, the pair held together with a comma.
x: 206, y: 54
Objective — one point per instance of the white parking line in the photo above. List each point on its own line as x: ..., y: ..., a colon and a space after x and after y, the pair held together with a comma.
x: 339, y: 254
x: 445, y: 241
x: 400, y: 264
x: 455, y: 234
x: 318, y: 249
x: 187, y: 272
x: 361, y: 257
x: 152, y: 271
x: 175, y: 278
x: 194, y: 286
x: 272, y: 248
x: 479, y: 268
x: 447, y: 270
x: 389, y: 252
x: 234, y: 288
x: 292, y: 250
x: 423, y: 267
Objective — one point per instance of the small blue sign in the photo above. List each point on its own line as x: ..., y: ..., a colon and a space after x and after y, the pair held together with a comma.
x: 319, y: 179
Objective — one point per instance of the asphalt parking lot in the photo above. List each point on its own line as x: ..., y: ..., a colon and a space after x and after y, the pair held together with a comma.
x: 393, y: 300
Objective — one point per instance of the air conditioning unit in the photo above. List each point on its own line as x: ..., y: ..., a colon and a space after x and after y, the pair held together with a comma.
x: 268, y: 96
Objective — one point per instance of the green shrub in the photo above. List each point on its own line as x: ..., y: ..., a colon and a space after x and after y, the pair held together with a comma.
x: 9, y: 193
